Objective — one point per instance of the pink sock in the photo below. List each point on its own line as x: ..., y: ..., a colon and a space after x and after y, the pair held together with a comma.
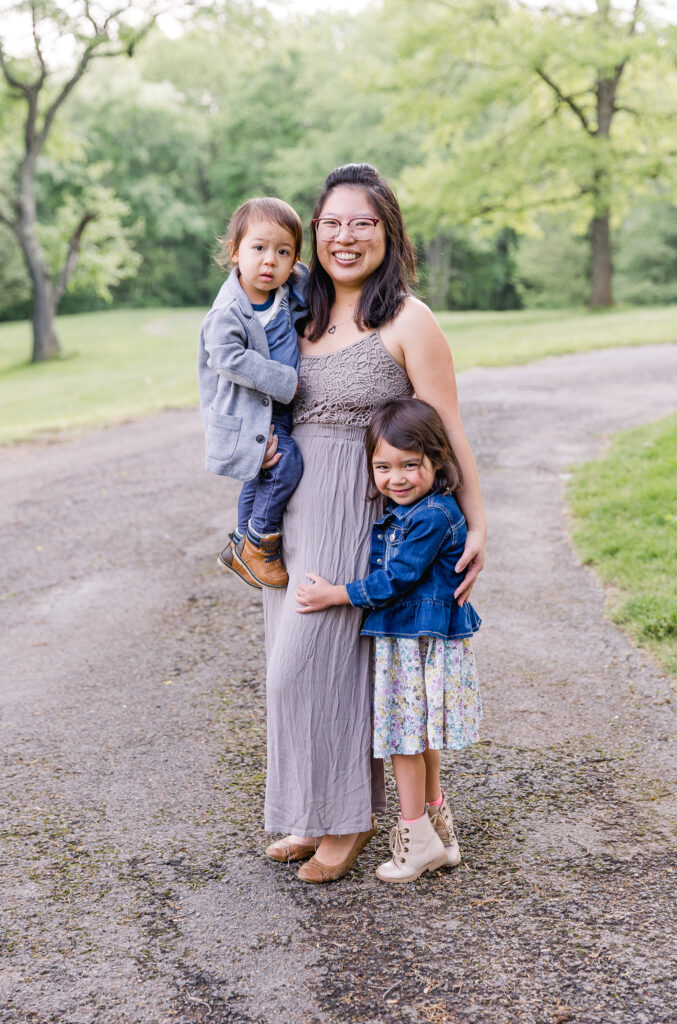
x: 436, y: 803
x: 410, y: 821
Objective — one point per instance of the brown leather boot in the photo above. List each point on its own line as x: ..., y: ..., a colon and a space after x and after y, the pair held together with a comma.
x: 230, y: 559
x: 264, y: 563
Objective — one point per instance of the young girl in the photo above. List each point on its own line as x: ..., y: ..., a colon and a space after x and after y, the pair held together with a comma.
x: 248, y: 376
x: 426, y: 693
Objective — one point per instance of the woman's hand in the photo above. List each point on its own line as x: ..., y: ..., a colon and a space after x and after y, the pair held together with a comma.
x: 319, y: 594
x: 271, y: 459
x: 473, y: 558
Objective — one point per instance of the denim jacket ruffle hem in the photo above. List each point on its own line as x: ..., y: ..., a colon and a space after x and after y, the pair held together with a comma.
x: 410, y: 588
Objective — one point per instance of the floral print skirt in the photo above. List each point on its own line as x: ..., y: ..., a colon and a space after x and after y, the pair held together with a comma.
x: 426, y: 693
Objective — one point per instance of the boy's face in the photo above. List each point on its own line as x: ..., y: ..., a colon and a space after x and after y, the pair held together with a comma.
x: 406, y: 477
x: 265, y: 258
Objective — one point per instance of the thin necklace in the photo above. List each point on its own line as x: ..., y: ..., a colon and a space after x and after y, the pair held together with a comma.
x: 332, y: 327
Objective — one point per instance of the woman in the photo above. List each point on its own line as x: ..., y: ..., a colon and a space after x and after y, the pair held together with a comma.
x: 369, y: 340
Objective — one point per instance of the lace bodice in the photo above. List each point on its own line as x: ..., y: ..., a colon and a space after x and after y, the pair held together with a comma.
x: 346, y: 386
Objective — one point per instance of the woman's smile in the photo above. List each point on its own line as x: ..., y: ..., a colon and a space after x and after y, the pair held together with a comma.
x: 346, y: 254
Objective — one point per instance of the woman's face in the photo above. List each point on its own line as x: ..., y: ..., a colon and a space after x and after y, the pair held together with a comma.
x: 350, y: 262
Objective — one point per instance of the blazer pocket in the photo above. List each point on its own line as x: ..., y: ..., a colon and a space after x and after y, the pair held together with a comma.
x: 223, y: 433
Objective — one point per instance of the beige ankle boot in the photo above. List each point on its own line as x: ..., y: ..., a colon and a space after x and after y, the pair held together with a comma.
x: 416, y: 848
x: 443, y: 823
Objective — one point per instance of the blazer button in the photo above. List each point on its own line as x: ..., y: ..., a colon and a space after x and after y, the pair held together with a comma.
x: 265, y: 401
x: 260, y: 438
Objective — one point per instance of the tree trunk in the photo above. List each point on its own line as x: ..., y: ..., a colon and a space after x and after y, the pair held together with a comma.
x: 45, y: 342
x: 600, y: 258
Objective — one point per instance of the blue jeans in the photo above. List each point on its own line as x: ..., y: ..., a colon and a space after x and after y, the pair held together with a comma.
x: 263, y: 499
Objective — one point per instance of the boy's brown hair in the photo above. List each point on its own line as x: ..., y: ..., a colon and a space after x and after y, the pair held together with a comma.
x: 264, y: 208
x: 413, y: 426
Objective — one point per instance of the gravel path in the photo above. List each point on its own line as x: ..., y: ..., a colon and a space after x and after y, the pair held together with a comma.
x: 132, y: 883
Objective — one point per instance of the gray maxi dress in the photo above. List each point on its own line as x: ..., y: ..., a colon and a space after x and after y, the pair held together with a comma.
x: 321, y: 778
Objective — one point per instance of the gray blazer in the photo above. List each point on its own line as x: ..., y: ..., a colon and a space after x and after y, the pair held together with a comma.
x: 238, y: 381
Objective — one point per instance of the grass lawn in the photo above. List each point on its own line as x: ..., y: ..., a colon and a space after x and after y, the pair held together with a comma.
x: 125, y: 363
x: 498, y: 339
x: 625, y: 526
x: 118, y: 365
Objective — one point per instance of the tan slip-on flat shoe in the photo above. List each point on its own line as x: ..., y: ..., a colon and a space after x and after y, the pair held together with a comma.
x: 285, y: 852
x: 315, y: 871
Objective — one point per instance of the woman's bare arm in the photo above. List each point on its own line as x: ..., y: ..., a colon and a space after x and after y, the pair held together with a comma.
x: 416, y: 340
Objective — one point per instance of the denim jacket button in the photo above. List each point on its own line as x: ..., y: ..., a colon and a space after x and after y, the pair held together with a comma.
x: 379, y: 536
x: 392, y: 536
x: 379, y: 561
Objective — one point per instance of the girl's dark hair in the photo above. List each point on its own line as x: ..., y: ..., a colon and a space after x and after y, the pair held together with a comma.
x: 264, y: 208
x: 413, y: 426
x: 387, y: 287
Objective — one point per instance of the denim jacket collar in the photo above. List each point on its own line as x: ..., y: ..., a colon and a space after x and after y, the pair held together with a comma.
x: 393, y: 510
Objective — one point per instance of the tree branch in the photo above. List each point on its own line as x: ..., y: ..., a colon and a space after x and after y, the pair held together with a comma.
x: 63, y: 95
x: 90, y: 53
x: 71, y: 258
x: 13, y: 82
x: 568, y: 100
x: 11, y: 201
x: 635, y: 18
x: 36, y: 43
x: 7, y: 222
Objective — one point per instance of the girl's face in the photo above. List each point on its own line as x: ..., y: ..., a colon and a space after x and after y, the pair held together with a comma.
x: 265, y: 258
x: 350, y: 262
x: 406, y: 477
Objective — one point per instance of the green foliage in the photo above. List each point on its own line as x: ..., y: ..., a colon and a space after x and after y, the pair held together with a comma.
x: 459, y: 272
x: 552, y: 267
x: 625, y: 525
x: 155, y: 150
x: 444, y: 98
x: 646, y: 258
x: 513, y: 120
x: 14, y: 287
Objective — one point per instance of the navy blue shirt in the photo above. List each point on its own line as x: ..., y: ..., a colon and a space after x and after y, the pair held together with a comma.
x: 410, y: 588
x: 281, y: 330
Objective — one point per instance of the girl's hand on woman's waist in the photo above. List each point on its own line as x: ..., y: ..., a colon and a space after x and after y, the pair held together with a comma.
x: 320, y: 594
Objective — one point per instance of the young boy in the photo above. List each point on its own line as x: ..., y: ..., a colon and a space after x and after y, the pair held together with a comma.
x: 248, y: 376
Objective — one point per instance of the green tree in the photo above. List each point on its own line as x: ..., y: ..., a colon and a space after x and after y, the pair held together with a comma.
x: 565, y: 108
x: 36, y: 88
x: 154, y: 144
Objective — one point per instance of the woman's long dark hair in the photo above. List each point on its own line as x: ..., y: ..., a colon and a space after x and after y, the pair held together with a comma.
x: 413, y: 426
x: 387, y: 287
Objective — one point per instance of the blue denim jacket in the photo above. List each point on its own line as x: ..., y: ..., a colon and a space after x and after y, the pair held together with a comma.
x: 410, y: 588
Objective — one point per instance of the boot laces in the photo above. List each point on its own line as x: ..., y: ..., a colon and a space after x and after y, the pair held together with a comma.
x: 271, y: 552
x: 441, y: 821
x: 398, y: 842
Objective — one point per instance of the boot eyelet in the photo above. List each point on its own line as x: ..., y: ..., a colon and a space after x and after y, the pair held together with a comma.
x: 404, y: 860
